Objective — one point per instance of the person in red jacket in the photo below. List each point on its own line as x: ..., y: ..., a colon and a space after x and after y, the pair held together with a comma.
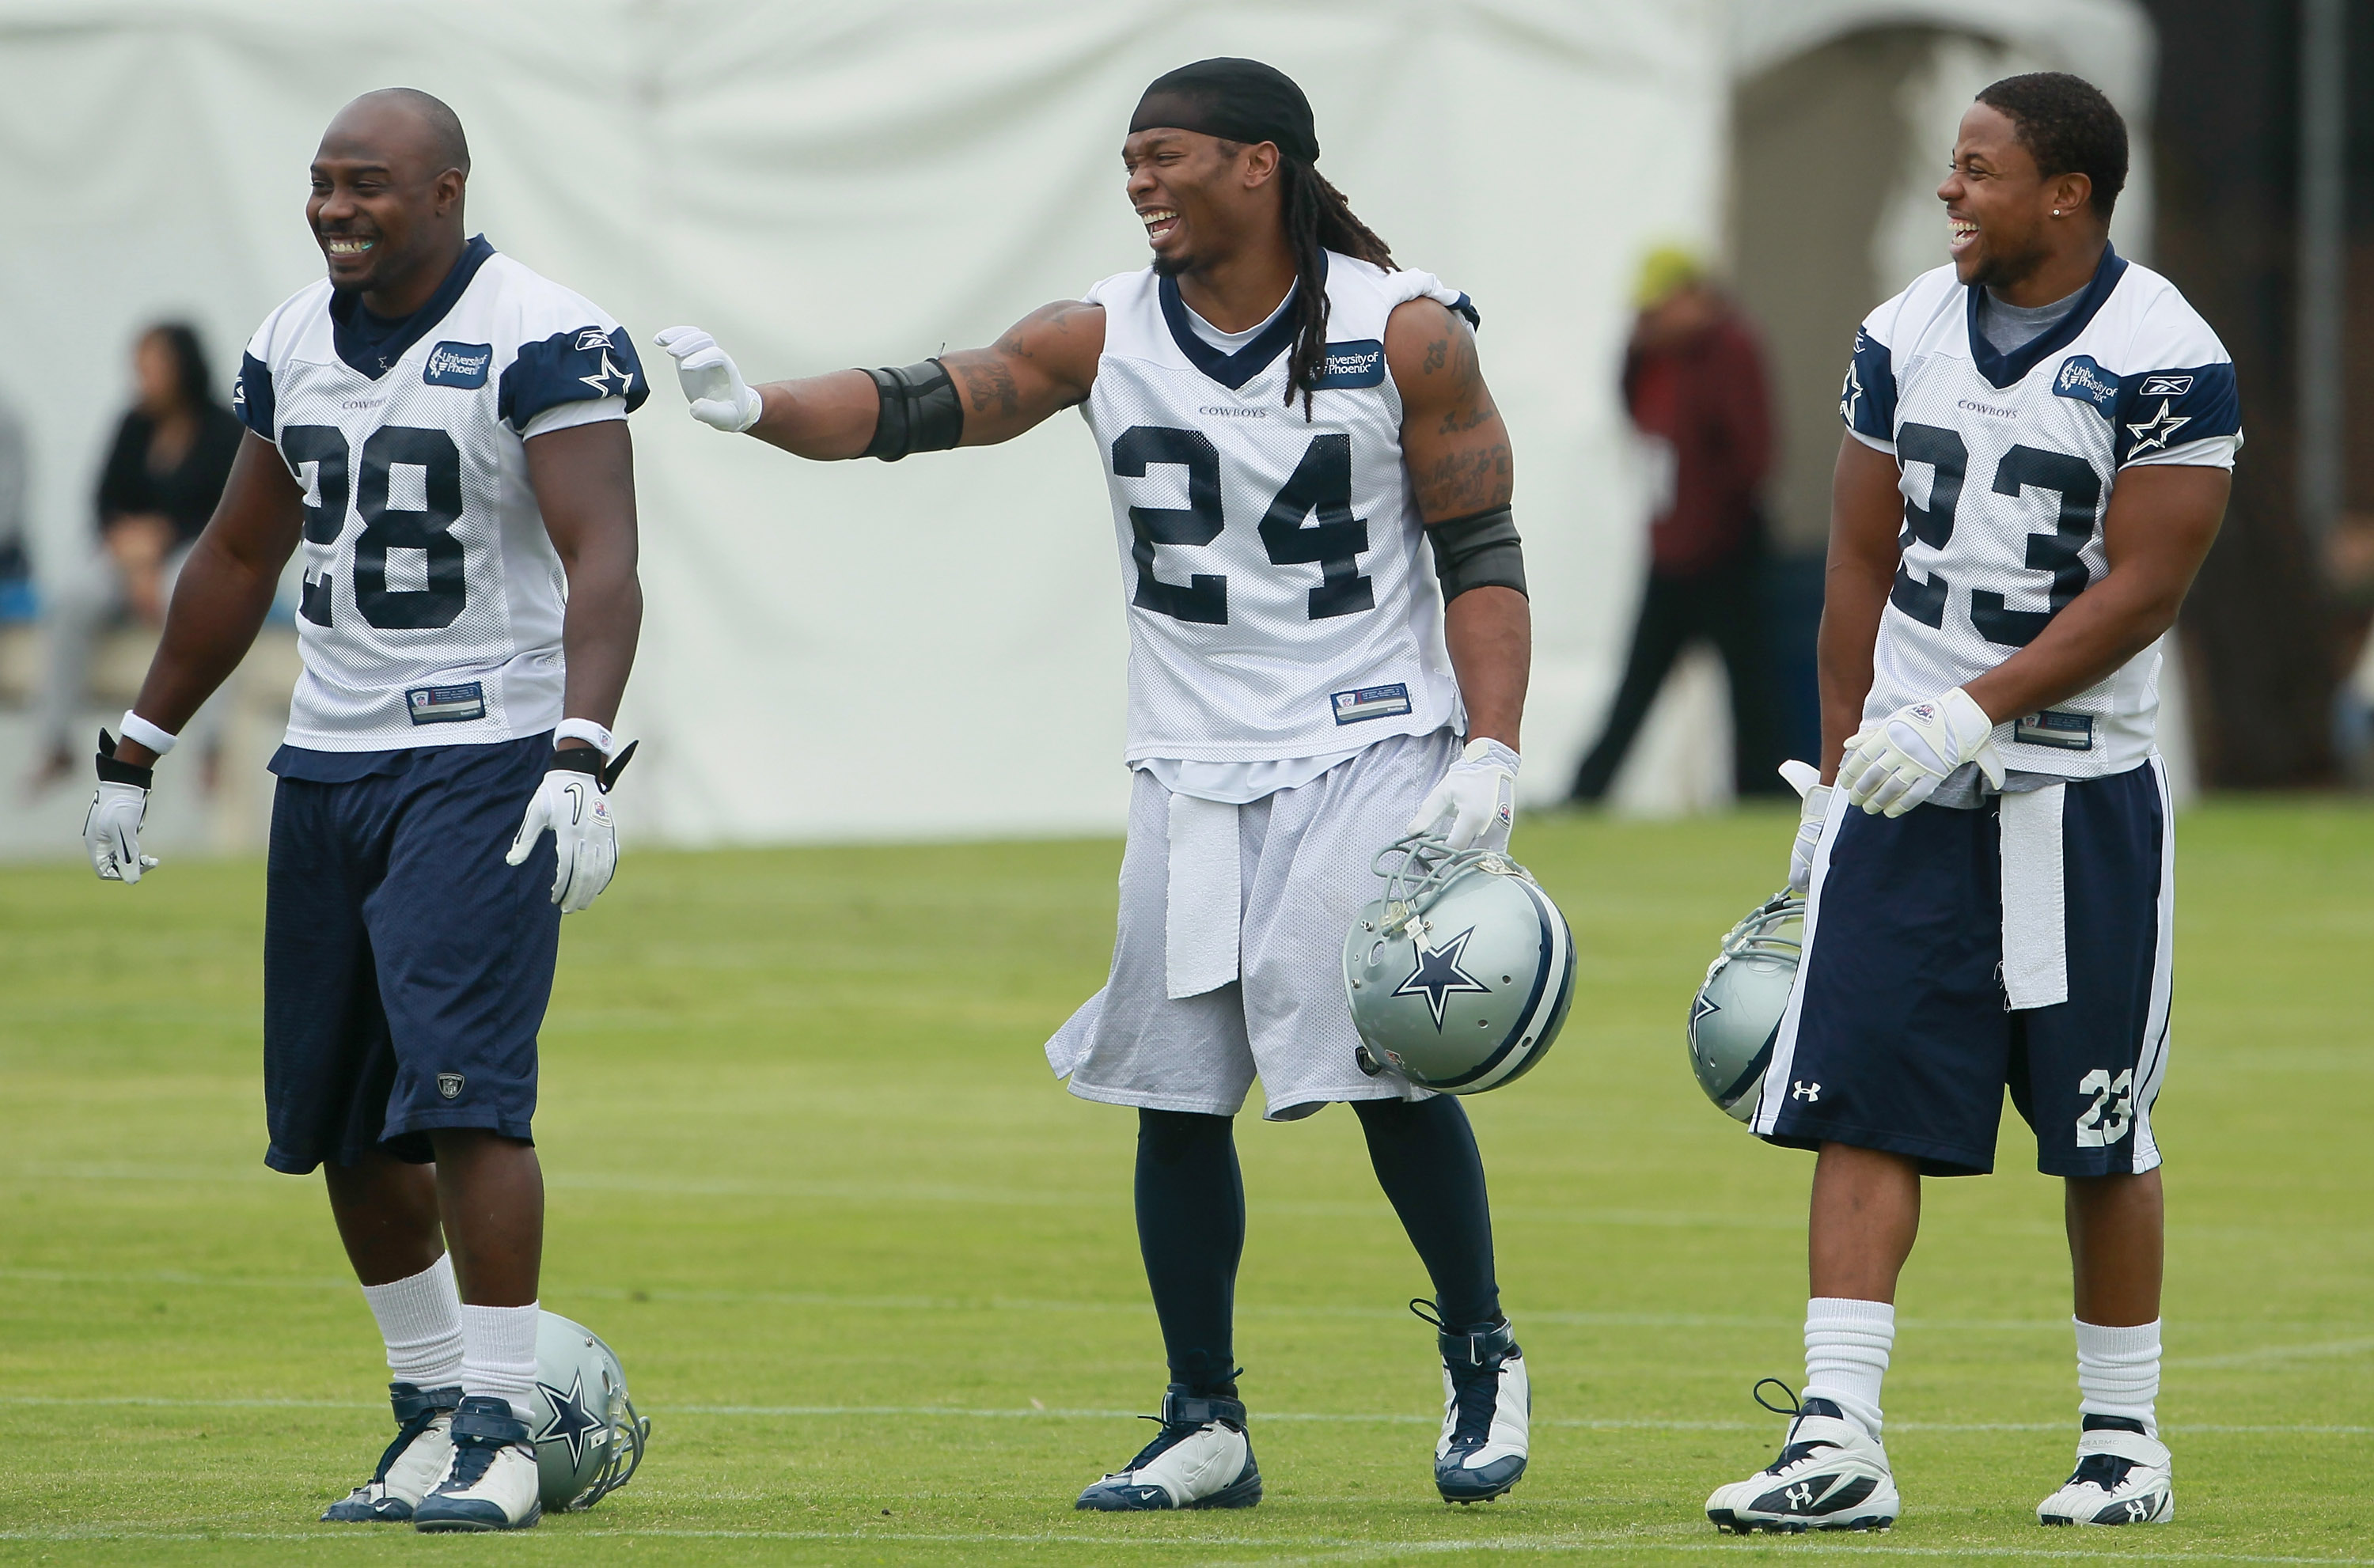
x: 1694, y: 385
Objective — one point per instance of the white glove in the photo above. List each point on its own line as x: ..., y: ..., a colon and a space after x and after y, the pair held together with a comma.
x: 111, y: 829
x: 574, y: 801
x: 1806, y: 779
x: 719, y: 397
x: 111, y: 833
x: 1479, y: 793
x: 1895, y: 764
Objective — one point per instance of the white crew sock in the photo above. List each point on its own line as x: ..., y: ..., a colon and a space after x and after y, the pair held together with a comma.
x: 420, y: 1319
x: 1847, y: 1343
x: 2118, y: 1371
x: 499, y: 1354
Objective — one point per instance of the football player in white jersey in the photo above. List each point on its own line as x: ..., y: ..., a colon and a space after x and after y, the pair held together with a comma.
x: 444, y: 433
x: 1285, y: 420
x: 2041, y: 438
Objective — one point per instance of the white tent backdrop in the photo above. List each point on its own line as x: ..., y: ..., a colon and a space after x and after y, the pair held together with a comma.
x: 861, y: 649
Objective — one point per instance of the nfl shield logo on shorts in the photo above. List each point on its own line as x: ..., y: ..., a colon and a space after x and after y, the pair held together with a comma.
x: 449, y: 1084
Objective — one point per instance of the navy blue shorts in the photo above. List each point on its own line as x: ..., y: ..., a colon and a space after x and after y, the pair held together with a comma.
x: 1898, y: 1036
x: 405, y: 967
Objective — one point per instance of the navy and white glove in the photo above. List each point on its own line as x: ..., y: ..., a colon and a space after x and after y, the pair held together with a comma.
x: 1812, y: 812
x: 111, y: 829
x: 1893, y: 766
x: 574, y: 801
x: 1479, y: 793
x: 713, y: 384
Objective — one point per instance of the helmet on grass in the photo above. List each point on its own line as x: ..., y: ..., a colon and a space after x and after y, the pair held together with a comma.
x: 588, y: 1438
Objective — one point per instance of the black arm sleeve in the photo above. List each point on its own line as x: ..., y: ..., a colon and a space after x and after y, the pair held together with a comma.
x: 1480, y: 550
x: 920, y: 411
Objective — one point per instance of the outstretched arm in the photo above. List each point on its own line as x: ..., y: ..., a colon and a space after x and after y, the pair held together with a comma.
x: 1043, y: 365
x: 1457, y: 451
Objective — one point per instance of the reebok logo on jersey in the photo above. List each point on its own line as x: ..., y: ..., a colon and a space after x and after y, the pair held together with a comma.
x: 458, y: 364
x: 1360, y: 363
x: 2165, y: 386
x: 593, y: 338
x: 2063, y: 732
x: 2085, y: 381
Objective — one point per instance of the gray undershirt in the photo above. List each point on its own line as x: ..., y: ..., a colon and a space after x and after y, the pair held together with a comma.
x: 2010, y: 328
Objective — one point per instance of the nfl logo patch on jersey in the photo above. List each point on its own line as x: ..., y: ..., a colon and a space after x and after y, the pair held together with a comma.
x: 458, y: 364
x: 446, y: 704
x: 1370, y: 702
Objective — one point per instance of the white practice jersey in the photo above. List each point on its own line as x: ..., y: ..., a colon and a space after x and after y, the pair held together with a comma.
x: 432, y: 603
x: 1281, y: 602
x: 2007, y: 466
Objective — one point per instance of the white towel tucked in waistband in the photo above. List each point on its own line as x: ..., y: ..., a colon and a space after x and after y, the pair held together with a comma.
x: 2034, y: 915
x: 1199, y: 932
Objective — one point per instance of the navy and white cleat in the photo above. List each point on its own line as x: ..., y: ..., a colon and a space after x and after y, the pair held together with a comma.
x: 2123, y: 1477
x: 493, y: 1483
x: 1488, y: 1406
x: 411, y: 1464
x: 1831, y: 1475
x: 1201, y: 1458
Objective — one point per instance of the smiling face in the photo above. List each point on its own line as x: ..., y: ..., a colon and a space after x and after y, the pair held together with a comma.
x: 1198, y: 200
x: 2000, y: 211
x: 385, y: 205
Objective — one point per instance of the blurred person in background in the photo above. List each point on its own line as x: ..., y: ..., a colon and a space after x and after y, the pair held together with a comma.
x: 16, y: 484
x: 172, y: 456
x: 1694, y: 385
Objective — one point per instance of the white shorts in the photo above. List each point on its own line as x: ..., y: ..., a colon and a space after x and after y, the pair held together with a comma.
x: 1303, y: 871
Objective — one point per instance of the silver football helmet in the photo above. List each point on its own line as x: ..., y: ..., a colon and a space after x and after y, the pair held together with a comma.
x: 1460, y: 975
x: 1737, y: 1014
x: 588, y: 1438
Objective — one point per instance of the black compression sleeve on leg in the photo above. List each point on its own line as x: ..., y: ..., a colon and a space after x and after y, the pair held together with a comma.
x: 1426, y: 1160
x: 1480, y: 550
x: 1191, y: 1228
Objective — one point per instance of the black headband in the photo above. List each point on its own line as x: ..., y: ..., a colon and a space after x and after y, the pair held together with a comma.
x: 1237, y: 101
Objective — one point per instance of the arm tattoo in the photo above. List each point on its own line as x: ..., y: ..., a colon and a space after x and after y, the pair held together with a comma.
x: 1468, y: 480
x: 1436, y: 352
x: 987, y: 382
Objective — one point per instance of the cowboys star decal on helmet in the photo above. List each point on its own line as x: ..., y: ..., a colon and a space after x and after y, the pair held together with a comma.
x: 1437, y: 974
x: 1460, y: 977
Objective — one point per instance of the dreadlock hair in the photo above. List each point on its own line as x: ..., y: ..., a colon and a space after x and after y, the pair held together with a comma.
x: 1318, y: 219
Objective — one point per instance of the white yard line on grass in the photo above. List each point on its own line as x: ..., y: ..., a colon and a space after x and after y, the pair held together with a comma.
x: 956, y: 1412
x: 1323, y: 1550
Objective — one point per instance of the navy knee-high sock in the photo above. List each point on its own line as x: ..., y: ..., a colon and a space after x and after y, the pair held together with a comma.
x: 1191, y: 1228
x: 1426, y: 1160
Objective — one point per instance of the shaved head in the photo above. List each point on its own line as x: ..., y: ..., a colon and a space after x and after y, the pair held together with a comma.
x: 414, y: 122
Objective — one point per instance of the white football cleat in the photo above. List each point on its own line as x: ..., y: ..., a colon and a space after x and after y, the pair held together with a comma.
x: 1486, y: 1409
x: 1831, y: 1475
x: 1201, y: 1458
x: 2123, y: 1477
x: 493, y: 1481
x: 410, y: 1466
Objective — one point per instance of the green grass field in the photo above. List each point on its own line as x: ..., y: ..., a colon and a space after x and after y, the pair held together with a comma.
x: 874, y: 1278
